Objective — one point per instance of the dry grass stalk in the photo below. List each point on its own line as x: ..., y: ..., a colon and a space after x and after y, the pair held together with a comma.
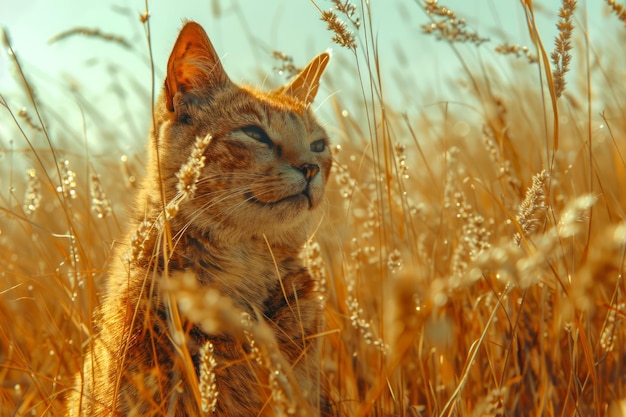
x: 561, y: 56
x: 504, y: 165
x: 349, y: 11
x: 92, y: 33
x: 618, y: 9
x: 342, y: 35
x: 188, y: 176
x: 32, y: 196
x: 100, y: 203
x: 360, y: 322
x: 446, y: 25
x: 314, y: 261
x: 517, y: 50
x: 532, y: 210
x: 23, y: 113
x: 613, y: 322
x: 143, y: 17
x: 287, y: 66
x: 403, y: 168
x: 473, y: 237
x: 208, y: 387
x: 138, y: 241
x: 190, y: 171
x: 68, y: 181
x: 127, y: 172
x: 574, y: 215
x: 21, y: 79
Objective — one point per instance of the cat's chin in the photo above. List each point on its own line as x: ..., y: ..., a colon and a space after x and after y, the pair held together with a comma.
x: 295, y: 202
x: 287, y: 221
x: 292, y: 233
x: 287, y: 213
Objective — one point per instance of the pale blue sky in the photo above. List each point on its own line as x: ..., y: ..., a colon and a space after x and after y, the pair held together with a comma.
x: 244, y: 32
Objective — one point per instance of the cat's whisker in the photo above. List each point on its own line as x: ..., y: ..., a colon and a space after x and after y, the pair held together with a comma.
x: 230, y: 176
x: 232, y: 193
x: 214, y: 202
x: 253, y: 198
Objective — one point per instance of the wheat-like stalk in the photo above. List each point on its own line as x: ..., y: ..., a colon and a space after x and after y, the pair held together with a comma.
x: 208, y: 387
x: 188, y: 175
x: 68, y: 181
x: 287, y: 66
x: 32, y: 196
x: 561, y: 56
x: 190, y: 171
x: 532, y: 210
x: 100, y: 203
x: 342, y: 35
x: 138, y: 241
x: 446, y: 25
x: 25, y: 115
x: 92, y: 33
x: 517, y: 50
x: 618, y: 9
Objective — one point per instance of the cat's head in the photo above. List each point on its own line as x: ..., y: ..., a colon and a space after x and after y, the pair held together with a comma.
x: 268, y: 161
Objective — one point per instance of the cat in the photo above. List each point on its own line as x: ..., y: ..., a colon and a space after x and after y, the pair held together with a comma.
x: 251, y: 196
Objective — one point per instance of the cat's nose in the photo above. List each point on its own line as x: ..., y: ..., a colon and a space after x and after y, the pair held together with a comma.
x: 309, y: 170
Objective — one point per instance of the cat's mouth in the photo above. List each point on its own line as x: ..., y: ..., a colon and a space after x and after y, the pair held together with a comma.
x: 294, y: 198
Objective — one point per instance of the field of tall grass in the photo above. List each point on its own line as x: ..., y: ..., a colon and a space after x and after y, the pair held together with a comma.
x: 473, y: 251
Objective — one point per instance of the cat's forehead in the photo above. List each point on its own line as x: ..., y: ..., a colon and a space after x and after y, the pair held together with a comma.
x: 282, y: 110
x: 278, y: 102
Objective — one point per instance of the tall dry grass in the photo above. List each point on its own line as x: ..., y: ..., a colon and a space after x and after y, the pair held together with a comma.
x: 473, y: 251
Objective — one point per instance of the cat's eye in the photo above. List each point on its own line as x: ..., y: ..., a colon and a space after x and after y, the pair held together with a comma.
x: 318, y: 145
x: 256, y: 133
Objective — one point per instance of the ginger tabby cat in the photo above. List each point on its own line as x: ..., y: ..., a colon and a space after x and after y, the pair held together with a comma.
x: 234, y: 217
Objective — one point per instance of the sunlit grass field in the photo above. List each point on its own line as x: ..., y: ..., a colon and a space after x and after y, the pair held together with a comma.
x: 473, y: 250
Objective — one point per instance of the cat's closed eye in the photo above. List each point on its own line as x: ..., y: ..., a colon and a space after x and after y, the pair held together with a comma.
x: 256, y: 133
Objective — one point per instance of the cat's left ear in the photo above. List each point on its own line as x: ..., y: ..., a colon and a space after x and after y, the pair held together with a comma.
x: 193, y: 64
x: 305, y: 85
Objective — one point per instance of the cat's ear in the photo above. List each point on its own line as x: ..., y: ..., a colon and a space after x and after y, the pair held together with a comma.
x: 193, y: 64
x: 305, y: 85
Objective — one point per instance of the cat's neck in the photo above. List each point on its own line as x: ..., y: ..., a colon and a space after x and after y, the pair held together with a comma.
x: 225, y: 242
x: 248, y: 271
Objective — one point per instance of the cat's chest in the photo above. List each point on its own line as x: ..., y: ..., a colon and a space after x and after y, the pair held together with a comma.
x: 248, y: 276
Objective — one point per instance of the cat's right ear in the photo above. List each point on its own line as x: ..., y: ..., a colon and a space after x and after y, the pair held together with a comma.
x: 305, y: 85
x: 193, y: 64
